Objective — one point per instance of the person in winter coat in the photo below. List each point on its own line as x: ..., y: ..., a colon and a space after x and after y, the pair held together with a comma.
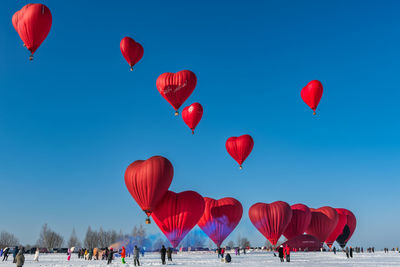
x: 163, y: 251
x: 351, y: 252
x: 110, y: 255
x: 334, y: 250
x: 15, y: 252
x: 347, y: 252
x: 136, y: 256
x: 123, y: 254
x: 228, y: 258
x: 280, y: 252
x: 287, y: 253
x: 5, y: 254
x: 219, y: 252
x: 1, y: 252
x: 222, y: 252
x: 90, y: 254
x: 69, y: 255
x: 169, y: 254
x: 20, y: 258
x: 36, y: 257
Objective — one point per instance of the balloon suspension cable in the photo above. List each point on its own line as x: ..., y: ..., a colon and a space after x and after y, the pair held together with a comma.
x: 31, y: 57
x: 176, y: 113
x: 148, y: 220
x: 131, y: 68
x: 240, y: 167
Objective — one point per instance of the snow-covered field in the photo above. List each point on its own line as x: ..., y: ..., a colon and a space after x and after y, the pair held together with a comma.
x: 256, y: 259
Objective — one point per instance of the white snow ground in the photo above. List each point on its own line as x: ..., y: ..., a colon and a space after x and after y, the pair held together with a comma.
x: 254, y: 258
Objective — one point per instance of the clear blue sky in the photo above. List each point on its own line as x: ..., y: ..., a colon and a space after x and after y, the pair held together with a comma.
x: 72, y: 120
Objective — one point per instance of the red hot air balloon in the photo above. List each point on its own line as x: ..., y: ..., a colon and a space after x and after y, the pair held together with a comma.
x: 271, y: 219
x: 342, y: 220
x: 348, y: 229
x: 239, y: 147
x: 323, y: 221
x: 311, y: 94
x: 301, y: 218
x: 148, y: 181
x: 131, y: 50
x: 177, y: 214
x: 192, y: 114
x: 33, y: 23
x: 220, y: 218
x: 176, y: 87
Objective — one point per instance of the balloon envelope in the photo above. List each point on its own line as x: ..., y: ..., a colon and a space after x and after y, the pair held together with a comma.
x: 192, y: 115
x: 176, y: 87
x: 148, y: 181
x: 178, y: 213
x: 301, y: 218
x: 271, y: 219
x: 239, y: 148
x: 348, y: 229
x: 33, y: 23
x: 312, y: 94
x: 131, y: 50
x: 323, y: 221
x: 342, y: 221
x: 220, y: 218
x: 303, y: 242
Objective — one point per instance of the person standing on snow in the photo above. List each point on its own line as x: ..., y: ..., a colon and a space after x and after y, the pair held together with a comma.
x: 69, y: 254
x: 136, y: 256
x: 169, y: 254
x: 228, y: 258
x: 334, y: 250
x: 163, y: 251
x: 5, y: 254
x: 287, y: 253
x: 123, y: 254
x: 110, y: 255
x: 15, y: 252
x: 280, y: 252
x: 222, y: 252
x: 36, y: 257
x: 351, y: 252
x: 20, y: 258
x: 347, y: 252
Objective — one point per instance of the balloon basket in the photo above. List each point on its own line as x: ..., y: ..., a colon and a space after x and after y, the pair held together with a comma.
x: 240, y: 167
x: 148, y: 221
x: 31, y: 57
x: 131, y: 68
x: 176, y: 113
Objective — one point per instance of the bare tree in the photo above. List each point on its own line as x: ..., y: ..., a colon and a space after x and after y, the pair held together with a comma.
x: 139, y: 236
x: 159, y: 243
x: 195, y: 238
x: 91, y: 239
x: 231, y: 244
x: 50, y: 239
x: 8, y: 240
x: 244, y: 242
x: 73, y: 240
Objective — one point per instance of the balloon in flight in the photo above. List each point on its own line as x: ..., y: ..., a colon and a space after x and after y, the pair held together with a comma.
x: 148, y: 181
x: 131, y: 50
x: 311, y: 94
x: 176, y: 87
x: 192, y: 115
x: 239, y: 148
x: 32, y: 23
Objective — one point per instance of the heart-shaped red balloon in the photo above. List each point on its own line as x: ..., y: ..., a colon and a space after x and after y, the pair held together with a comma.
x: 271, y: 219
x: 348, y: 229
x: 131, y: 50
x: 323, y: 221
x: 192, y: 114
x: 342, y: 220
x: 312, y: 93
x: 177, y: 214
x: 220, y: 218
x: 33, y: 23
x: 239, y: 147
x: 176, y: 87
x: 301, y: 218
x: 148, y: 181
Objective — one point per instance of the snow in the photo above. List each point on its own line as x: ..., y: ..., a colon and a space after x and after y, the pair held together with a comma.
x: 253, y: 258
